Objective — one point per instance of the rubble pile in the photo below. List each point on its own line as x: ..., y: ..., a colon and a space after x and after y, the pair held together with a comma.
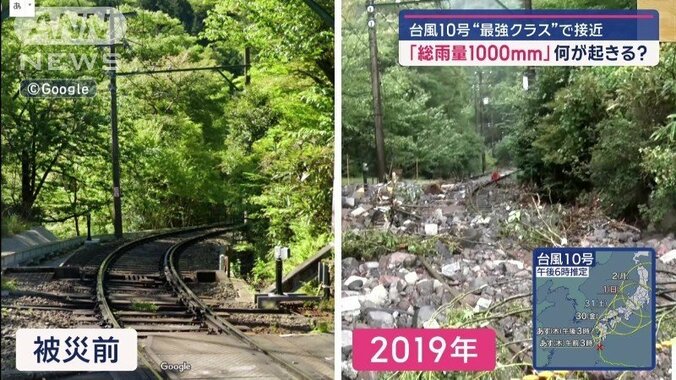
x: 407, y: 207
x: 490, y: 263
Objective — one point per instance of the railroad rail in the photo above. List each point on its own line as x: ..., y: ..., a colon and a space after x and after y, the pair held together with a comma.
x: 480, y: 195
x: 139, y: 286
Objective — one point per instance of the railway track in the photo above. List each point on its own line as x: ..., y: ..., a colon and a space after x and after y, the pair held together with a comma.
x: 483, y: 191
x: 139, y: 286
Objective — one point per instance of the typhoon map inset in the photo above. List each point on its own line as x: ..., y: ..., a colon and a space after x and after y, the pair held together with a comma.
x: 594, y: 308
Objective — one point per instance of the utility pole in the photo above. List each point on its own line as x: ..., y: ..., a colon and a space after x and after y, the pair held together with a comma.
x: 480, y: 118
x: 247, y: 62
x: 115, y: 144
x: 529, y: 75
x: 375, y: 81
x: 375, y: 88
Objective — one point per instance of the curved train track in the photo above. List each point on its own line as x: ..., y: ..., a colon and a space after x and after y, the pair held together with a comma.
x: 139, y: 286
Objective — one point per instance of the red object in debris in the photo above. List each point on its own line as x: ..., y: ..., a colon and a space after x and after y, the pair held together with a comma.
x: 495, y: 176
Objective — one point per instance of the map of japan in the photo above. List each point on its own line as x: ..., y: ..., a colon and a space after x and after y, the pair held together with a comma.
x: 594, y: 308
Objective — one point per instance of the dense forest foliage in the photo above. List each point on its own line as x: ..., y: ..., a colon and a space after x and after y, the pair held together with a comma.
x: 604, y: 134
x: 601, y: 133
x: 196, y: 146
x: 426, y: 113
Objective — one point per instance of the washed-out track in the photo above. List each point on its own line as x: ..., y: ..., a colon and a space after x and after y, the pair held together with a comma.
x: 484, y: 194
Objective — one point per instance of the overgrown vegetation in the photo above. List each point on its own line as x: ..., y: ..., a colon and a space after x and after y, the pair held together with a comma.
x: 9, y: 285
x: 144, y: 306
x: 602, y: 131
x: 194, y: 149
x: 12, y: 225
x: 537, y: 227
x: 322, y: 327
x: 373, y: 244
x: 311, y: 287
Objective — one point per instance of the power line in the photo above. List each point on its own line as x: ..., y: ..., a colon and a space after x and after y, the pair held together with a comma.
x: 115, y: 146
x: 319, y: 10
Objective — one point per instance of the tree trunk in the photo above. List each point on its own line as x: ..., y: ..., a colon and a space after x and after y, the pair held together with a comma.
x: 27, y: 197
x: 77, y: 222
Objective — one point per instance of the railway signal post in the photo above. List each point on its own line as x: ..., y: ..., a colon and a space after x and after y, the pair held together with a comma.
x: 281, y: 254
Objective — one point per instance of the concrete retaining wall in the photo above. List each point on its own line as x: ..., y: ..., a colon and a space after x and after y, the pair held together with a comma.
x: 23, y: 256
x: 13, y: 259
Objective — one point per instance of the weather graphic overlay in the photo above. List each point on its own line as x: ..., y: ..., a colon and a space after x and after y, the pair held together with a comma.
x: 594, y: 308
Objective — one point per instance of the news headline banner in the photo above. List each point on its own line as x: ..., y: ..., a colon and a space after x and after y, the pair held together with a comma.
x: 528, y: 38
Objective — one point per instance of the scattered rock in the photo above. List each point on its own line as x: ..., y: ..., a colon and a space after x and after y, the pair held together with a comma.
x: 354, y: 282
x: 482, y: 304
x: 380, y: 319
x: 431, y: 229
x: 378, y: 295
x: 425, y: 314
x: 509, y: 267
x: 522, y: 273
x: 388, y: 281
x: 350, y: 304
x: 347, y: 370
x: 478, y: 284
x: 397, y: 283
x: 438, y: 217
x: 394, y: 294
x: 469, y: 237
x: 600, y: 234
x: 471, y: 299
x: 425, y: 287
x: 398, y: 259
x: 350, y: 266
x: 450, y: 269
x: 358, y: 211
x: 411, y: 278
x: 489, y: 265
x: 346, y: 343
x: 668, y: 257
x: 370, y: 269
